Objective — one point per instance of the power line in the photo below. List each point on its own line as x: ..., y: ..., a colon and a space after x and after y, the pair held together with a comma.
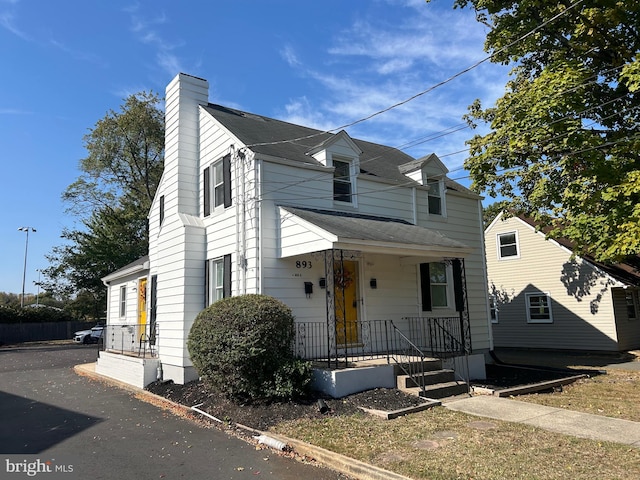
x: 430, y: 89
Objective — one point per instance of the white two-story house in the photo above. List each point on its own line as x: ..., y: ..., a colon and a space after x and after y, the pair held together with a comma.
x: 355, y: 237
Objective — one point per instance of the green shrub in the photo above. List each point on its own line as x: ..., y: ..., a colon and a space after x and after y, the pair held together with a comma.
x: 241, y: 346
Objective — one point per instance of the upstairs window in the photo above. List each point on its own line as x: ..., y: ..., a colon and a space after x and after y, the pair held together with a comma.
x: 217, y: 185
x: 508, y: 245
x: 342, y: 184
x: 539, y: 308
x: 434, y: 197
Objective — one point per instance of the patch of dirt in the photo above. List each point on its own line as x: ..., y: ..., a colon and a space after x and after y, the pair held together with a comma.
x: 505, y: 376
x: 261, y: 416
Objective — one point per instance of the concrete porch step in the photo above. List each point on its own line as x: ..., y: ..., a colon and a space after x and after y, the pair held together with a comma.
x: 430, y: 365
x: 430, y: 378
x: 439, y: 390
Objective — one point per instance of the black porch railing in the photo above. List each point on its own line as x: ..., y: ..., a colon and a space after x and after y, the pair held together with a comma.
x: 139, y: 340
x: 434, y: 337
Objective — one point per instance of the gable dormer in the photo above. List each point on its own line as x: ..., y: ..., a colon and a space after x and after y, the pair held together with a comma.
x: 342, y: 154
x: 430, y: 172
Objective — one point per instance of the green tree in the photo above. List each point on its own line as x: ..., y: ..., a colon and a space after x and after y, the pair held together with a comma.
x: 110, y: 200
x: 564, y: 142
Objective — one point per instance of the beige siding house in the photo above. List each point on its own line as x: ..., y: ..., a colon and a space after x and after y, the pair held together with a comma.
x: 361, y: 240
x: 542, y: 297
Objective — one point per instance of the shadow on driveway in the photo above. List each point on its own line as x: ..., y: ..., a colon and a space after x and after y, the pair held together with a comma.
x: 30, y: 427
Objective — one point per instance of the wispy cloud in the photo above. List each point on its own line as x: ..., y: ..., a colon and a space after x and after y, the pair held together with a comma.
x: 376, y: 63
x: 14, y: 111
x: 7, y: 21
x: 146, y: 29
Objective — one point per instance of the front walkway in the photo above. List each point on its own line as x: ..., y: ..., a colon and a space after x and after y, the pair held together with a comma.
x: 567, y: 422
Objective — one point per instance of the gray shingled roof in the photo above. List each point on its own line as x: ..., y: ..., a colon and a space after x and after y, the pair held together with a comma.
x: 256, y: 131
x: 371, y: 228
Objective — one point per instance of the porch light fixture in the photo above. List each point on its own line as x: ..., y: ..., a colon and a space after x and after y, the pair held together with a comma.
x: 308, y: 289
x: 373, y: 283
x: 322, y: 282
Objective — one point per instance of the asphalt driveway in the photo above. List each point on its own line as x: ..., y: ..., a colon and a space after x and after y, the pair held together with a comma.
x: 102, y: 432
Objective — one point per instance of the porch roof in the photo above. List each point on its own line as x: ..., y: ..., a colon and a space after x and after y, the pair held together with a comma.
x: 305, y: 230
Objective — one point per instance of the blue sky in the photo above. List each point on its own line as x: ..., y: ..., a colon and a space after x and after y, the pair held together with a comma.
x: 318, y: 63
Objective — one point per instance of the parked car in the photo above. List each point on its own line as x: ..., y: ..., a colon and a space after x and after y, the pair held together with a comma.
x: 92, y: 335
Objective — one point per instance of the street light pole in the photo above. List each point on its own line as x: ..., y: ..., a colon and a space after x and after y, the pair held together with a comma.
x: 26, y: 249
x: 38, y: 292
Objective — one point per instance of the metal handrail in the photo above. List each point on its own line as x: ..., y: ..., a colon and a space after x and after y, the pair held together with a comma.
x: 414, y: 369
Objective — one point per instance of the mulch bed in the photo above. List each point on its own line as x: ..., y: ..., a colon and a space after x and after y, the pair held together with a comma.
x: 261, y: 416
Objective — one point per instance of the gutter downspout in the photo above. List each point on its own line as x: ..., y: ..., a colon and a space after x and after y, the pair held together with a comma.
x: 486, y: 277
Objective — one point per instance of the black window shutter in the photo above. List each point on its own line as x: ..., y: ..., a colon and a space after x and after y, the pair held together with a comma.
x: 207, y: 191
x: 206, y: 283
x: 425, y: 287
x: 226, y: 176
x: 226, y: 286
x: 457, y: 284
x: 161, y: 209
x: 153, y: 311
x: 154, y: 298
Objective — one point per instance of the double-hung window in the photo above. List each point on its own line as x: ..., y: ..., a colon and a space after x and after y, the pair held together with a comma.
x: 434, y: 286
x: 434, y: 197
x: 123, y: 301
x: 217, y: 279
x: 508, y: 245
x: 217, y: 185
x: 342, y: 182
x: 539, y: 308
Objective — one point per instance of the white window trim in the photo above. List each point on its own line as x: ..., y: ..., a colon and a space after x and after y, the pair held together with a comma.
x: 528, y: 307
x: 353, y: 174
x: 215, y: 183
x: 441, y: 192
x: 122, y: 302
x: 214, y: 264
x: 511, y: 257
x: 448, y: 269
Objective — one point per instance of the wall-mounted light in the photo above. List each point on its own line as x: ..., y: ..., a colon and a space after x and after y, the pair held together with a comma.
x: 322, y: 282
x: 308, y: 289
x: 373, y: 283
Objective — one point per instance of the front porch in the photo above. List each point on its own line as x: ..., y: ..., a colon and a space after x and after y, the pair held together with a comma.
x: 129, y: 353
x: 426, y: 356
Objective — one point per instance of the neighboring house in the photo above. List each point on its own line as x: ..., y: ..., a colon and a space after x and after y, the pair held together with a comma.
x: 544, y: 297
x: 350, y: 234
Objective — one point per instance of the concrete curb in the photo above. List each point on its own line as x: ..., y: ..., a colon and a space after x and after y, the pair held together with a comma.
x: 326, y: 458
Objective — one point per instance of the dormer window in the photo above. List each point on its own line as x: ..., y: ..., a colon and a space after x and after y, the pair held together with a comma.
x: 434, y: 193
x: 342, y: 180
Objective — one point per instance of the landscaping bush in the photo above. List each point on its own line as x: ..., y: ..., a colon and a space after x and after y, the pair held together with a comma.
x: 241, y: 346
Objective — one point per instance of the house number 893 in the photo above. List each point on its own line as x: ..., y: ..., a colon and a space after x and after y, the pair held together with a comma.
x: 303, y: 264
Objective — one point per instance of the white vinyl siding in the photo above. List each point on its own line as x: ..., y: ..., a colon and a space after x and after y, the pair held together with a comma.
x: 582, y: 304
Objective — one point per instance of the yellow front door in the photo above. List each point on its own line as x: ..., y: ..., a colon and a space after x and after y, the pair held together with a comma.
x: 346, y: 301
x: 142, y: 308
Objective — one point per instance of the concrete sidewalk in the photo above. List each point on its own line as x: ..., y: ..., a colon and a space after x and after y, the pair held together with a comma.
x: 568, y: 422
